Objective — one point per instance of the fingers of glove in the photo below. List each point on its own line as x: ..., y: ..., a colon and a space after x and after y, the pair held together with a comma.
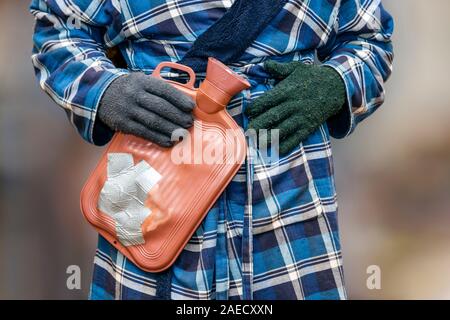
x: 273, y: 116
x: 292, y: 125
x: 165, y: 109
x: 140, y: 130
x: 288, y: 144
x: 268, y: 100
x: 280, y: 69
x: 153, y: 121
x: 166, y: 91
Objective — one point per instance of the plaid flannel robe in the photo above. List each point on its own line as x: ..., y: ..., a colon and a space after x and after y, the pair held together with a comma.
x: 273, y: 233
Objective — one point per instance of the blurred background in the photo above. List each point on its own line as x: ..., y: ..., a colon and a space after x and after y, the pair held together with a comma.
x: 392, y: 175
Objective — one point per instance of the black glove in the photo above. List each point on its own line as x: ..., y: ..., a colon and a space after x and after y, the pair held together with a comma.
x: 146, y: 107
x: 305, y: 97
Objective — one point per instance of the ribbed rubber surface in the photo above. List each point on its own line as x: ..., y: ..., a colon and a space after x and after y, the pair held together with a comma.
x: 183, y: 196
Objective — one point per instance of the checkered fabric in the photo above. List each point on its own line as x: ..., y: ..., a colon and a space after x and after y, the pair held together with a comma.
x: 273, y: 233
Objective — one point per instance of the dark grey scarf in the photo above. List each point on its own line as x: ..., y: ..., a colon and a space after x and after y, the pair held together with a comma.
x: 228, y: 38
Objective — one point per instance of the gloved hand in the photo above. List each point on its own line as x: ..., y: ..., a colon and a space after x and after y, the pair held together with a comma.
x: 305, y: 98
x: 146, y: 107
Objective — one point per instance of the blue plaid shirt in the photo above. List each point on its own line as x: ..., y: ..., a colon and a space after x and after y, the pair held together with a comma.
x: 273, y: 233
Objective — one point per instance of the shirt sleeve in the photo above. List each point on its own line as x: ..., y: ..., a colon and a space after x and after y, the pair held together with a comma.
x: 361, y: 52
x: 70, y: 60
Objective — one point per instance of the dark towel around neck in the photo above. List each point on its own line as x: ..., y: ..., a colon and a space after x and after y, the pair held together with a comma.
x: 228, y: 38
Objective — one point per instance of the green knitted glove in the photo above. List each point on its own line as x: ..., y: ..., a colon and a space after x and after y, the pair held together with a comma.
x: 304, y: 99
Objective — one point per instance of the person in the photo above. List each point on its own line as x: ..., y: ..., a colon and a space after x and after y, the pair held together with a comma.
x: 316, y: 69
